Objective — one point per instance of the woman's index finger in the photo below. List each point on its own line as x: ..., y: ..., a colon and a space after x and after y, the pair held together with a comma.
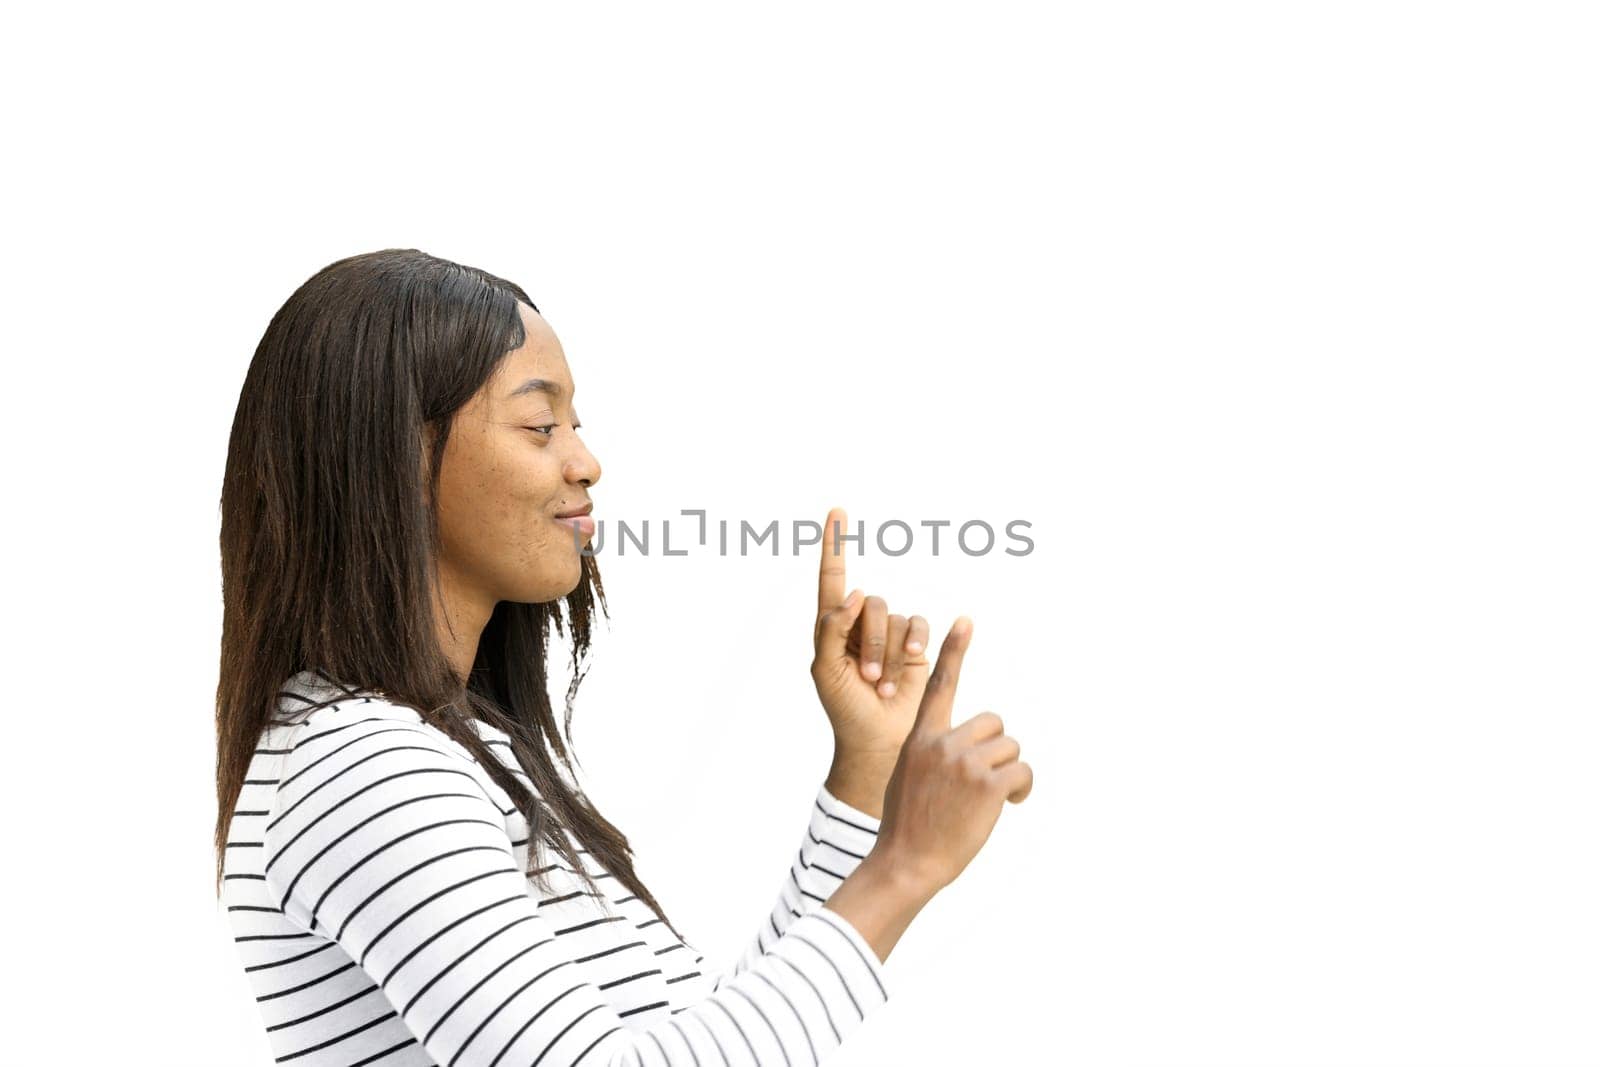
x: 830, y: 580
x: 938, y: 699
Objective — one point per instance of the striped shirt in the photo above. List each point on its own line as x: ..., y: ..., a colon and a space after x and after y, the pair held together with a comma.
x: 375, y: 883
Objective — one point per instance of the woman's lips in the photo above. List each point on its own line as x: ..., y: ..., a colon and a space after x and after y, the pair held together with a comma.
x: 584, y: 524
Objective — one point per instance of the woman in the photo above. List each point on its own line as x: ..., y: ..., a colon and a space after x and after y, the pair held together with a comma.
x: 411, y: 873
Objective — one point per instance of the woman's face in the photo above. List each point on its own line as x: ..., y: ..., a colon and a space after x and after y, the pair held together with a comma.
x: 512, y: 463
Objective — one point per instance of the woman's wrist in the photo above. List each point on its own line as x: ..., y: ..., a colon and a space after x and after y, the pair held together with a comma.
x: 879, y: 899
x: 859, y: 780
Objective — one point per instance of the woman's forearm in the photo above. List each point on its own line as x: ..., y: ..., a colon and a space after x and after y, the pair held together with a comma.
x: 879, y: 902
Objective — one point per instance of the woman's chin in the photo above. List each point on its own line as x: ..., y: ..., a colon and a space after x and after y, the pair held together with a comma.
x: 555, y: 582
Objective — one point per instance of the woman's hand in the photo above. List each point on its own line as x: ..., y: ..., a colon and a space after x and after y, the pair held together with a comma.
x: 949, y: 785
x: 870, y: 671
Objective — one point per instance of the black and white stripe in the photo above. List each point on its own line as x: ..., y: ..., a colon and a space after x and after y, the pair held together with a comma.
x: 374, y: 883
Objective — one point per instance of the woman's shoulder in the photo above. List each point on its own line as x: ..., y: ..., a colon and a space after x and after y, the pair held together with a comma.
x: 311, y: 708
x: 341, y: 749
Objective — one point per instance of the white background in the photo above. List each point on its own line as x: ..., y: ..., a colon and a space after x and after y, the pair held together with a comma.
x: 1276, y: 321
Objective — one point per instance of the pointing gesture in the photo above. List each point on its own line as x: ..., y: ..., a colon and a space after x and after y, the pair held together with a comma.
x: 880, y: 645
x: 938, y: 791
x: 938, y: 701
x: 949, y: 785
x: 869, y: 669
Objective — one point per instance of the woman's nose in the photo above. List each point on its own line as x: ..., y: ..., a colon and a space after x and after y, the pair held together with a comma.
x: 583, y: 467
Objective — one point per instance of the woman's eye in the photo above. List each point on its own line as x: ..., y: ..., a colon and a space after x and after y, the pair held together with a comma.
x: 549, y: 428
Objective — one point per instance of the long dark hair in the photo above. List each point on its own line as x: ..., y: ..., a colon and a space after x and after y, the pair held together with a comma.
x: 329, y: 536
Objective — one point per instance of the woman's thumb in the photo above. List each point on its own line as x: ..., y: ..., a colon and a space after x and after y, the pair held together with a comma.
x: 833, y: 627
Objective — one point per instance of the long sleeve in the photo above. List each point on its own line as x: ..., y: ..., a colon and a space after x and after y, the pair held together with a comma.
x: 836, y: 840
x: 388, y: 839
